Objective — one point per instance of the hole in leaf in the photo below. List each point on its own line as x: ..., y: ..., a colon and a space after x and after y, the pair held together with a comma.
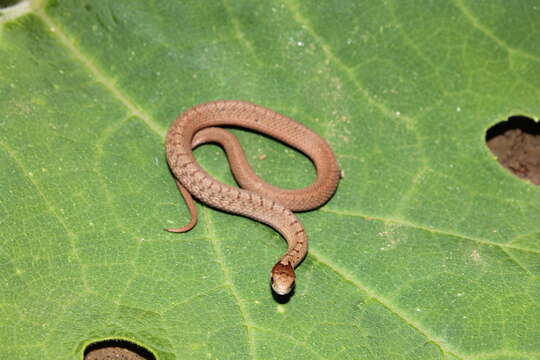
x: 8, y: 3
x: 516, y: 144
x: 116, y: 349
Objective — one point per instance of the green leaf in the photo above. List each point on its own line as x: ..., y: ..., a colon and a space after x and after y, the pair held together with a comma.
x: 428, y: 250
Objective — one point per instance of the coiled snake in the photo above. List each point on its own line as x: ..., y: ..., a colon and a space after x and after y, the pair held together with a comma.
x: 255, y: 199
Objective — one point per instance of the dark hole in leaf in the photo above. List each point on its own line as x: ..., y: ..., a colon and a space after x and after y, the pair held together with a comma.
x: 7, y: 3
x: 116, y: 349
x: 516, y: 144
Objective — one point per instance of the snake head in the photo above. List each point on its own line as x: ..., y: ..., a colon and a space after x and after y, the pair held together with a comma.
x: 282, y: 278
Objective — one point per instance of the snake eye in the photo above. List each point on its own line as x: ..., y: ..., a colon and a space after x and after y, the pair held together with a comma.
x: 282, y: 278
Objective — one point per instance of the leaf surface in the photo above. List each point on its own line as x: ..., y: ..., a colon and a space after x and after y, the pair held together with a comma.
x: 428, y: 250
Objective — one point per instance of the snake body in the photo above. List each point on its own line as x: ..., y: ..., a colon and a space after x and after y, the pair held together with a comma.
x: 255, y: 199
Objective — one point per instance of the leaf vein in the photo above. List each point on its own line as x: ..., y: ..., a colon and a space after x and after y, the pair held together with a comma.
x: 385, y: 303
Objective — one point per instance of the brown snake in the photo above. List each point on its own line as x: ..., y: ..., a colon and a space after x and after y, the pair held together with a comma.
x: 256, y: 199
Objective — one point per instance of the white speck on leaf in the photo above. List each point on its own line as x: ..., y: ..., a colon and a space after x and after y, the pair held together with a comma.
x: 475, y: 255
